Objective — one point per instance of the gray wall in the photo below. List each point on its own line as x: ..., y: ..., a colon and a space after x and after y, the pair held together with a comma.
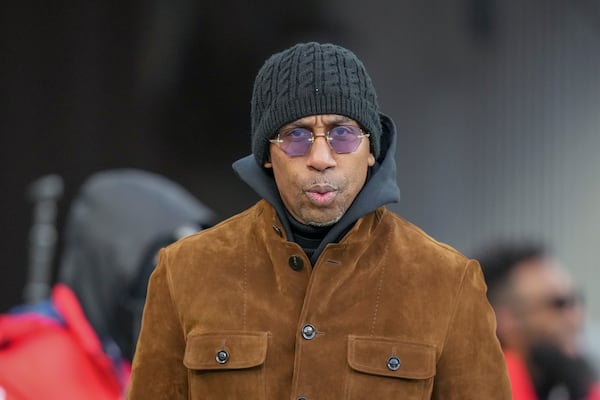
x: 499, y: 119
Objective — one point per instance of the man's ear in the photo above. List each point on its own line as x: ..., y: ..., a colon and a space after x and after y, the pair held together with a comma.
x: 371, y: 160
x: 268, y: 164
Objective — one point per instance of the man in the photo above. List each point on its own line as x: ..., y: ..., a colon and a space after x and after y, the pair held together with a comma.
x: 317, y: 291
x: 79, y: 343
x: 540, y: 319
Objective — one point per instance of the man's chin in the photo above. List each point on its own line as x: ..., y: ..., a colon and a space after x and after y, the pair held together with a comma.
x: 324, y: 222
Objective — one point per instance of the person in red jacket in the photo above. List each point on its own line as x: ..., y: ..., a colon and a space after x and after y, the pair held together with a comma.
x: 539, y: 313
x: 78, y: 344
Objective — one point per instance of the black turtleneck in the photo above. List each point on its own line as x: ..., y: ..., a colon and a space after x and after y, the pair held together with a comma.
x: 307, y: 236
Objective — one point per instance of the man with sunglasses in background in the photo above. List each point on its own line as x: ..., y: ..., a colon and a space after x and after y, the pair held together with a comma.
x: 317, y: 291
x: 540, y: 320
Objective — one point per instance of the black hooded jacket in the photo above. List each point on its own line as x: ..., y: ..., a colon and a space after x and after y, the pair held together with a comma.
x: 115, y: 226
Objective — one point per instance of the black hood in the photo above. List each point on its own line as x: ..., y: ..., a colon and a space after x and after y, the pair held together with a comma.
x: 116, y: 223
x: 381, y: 187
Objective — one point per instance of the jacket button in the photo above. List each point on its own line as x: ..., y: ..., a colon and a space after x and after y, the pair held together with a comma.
x: 296, y: 263
x: 222, y: 356
x: 277, y: 230
x: 393, y: 363
x: 308, y: 332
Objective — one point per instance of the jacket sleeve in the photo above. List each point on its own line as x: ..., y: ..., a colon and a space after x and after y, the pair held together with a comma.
x: 471, y: 365
x: 158, y: 371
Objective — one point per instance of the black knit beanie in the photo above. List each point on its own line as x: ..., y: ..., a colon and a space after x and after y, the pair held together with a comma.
x: 309, y: 79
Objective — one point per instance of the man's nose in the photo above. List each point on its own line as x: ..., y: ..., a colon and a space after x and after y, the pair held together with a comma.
x: 320, y: 155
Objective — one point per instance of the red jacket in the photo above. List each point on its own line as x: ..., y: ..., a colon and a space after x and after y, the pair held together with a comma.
x: 42, y: 357
x: 520, y: 380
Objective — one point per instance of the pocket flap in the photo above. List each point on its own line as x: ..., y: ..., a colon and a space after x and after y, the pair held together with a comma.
x: 227, y: 350
x: 372, y: 355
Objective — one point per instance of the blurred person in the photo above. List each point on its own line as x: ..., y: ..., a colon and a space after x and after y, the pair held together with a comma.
x: 317, y: 291
x: 79, y: 343
x: 540, y: 319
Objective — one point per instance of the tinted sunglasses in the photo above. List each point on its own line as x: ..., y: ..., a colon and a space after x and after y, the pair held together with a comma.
x: 342, y: 139
x: 564, y: 302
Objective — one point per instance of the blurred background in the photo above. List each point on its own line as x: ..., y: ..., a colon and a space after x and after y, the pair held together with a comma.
x: 497, y: 104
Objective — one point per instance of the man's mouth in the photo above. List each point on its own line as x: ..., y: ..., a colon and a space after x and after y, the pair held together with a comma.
x: 321, y: 195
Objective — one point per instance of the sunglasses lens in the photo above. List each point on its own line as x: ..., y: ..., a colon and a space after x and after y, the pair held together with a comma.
x: 565, y: 302
x: 345, y: 139
x: 296, y: 142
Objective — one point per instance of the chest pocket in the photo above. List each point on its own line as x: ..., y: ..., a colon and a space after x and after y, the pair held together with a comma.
x: 226, y: 365
x: 388, y: 368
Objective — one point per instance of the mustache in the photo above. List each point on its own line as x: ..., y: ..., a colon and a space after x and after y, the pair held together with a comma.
x: 320, y: 187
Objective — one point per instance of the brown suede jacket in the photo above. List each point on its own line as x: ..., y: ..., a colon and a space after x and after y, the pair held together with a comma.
x: 237, y: 312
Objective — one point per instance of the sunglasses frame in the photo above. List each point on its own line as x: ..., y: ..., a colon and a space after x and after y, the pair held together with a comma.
x: 278, y: 141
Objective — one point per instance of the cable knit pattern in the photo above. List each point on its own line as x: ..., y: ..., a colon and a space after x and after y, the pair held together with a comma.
x: 308, y: 79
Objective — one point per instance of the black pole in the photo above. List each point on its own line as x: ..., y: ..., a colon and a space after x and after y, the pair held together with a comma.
x: 44, y: 193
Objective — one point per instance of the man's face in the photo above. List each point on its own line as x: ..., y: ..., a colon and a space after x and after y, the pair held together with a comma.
x: 318, y: 187
x: 546, y: 305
